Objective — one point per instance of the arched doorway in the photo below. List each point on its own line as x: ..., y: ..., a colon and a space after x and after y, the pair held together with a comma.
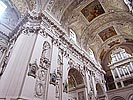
x: 76, y: 87
x: 100, y: 92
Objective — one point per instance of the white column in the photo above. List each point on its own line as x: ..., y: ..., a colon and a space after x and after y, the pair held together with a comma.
x: 86, y: 85
x: 128, y: 70
x: 131, y: 65
x: 114, y: 79
x: 118, y: 73
x: 113, y: 73
x: 119, y: 77
x: 12, y: 80
x: 94, y: 86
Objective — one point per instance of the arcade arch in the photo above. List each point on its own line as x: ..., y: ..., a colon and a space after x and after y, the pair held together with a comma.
x: 76, y: 86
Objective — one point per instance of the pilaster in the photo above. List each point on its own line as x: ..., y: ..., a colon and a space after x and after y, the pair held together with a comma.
x: 13, y: 78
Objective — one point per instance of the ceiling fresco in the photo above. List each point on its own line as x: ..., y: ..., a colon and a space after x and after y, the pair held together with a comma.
x: 92, y: 10
x: 107, y: 33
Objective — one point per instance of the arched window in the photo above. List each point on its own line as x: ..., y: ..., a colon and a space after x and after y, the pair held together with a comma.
x: 119, y: 54
x: 121, y: 67
x: 72, y: 35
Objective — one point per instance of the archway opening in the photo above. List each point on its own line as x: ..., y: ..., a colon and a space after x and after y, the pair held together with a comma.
x: 100, y: 92
x: 76, y: 87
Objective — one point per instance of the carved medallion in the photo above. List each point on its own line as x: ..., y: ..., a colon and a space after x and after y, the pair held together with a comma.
x: 39, y: 89
x: 42, y: 75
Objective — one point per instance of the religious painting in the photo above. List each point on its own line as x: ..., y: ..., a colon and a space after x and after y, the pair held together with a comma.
x: 81, y: 95
x: 92, y: 10
x: 107, y: 33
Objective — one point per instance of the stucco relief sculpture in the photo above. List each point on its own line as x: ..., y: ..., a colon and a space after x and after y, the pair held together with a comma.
x: 44, y: 63
x: 33, y: 67
x: 44, y: 60
x: 51, y: 3
x: 39, y: 89
x: 65, y: 86
x: 40, y: 83
x: 40, y: 86
x: 71, y: 63
x: 42, y: 32
x: 53, y: 78
x: 42, y: 74
x: 41, y: 77
x: 59, y: 61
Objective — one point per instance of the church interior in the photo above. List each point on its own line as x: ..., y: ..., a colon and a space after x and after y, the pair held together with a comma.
x: 66, y: 50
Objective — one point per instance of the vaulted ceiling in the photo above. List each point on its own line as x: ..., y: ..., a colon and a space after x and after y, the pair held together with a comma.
x: 98, y: 24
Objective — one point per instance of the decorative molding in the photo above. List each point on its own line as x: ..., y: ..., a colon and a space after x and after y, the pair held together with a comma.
x: 40, y: 86
x: 43, y: 33
x: 56, y: 42
x: 42, y: 74
x: 71, y: 63
x: 44, y: 63
x: 61, y: 39
x: 39, y: 89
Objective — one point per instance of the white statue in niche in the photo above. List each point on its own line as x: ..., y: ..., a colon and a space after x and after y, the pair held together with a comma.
x: 129, y: 4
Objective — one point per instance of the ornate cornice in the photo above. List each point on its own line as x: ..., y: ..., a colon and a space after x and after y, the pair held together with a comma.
x: 33, y: 24
x: 63, y: 41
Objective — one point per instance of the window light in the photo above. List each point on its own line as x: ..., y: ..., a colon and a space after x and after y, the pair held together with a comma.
x: 2, y: 7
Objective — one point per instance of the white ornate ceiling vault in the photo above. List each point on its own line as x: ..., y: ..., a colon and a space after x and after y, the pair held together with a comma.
x: 86, y: 27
